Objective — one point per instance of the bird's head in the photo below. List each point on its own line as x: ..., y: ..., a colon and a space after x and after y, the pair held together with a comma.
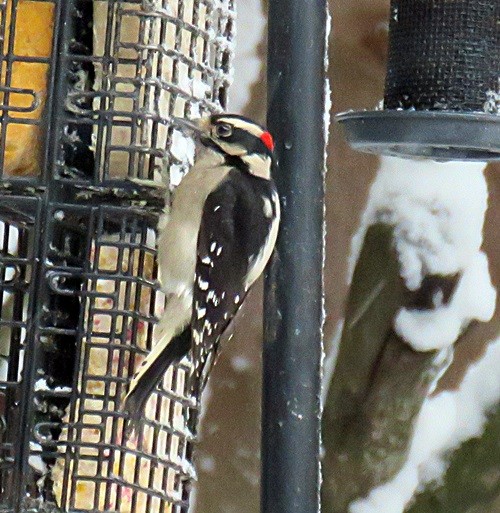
x: 239, y: 141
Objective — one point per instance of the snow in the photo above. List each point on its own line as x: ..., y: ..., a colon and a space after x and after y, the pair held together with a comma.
x: 196, y: 88
x: 183, y: 147
x: 437, y: 210
x: 224, y: 6
x: 41, y: 385
x: 326, y: 362
x: 445, y: 421
x: 35, y: 461
x: 11, y: 249
x: 241, y: 364
x: 492, y: 103
x: 475, y: 298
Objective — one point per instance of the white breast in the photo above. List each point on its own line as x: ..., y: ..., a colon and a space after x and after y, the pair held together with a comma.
x: 178, y: 239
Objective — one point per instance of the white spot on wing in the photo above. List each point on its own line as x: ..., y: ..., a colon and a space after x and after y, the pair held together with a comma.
x: 212, y: 296
x: 268, y: 207
x: 201, y: 312
x: 202, y: 284
x: 207, y: 326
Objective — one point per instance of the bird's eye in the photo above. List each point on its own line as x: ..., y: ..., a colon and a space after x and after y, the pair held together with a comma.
x: 224, y: 130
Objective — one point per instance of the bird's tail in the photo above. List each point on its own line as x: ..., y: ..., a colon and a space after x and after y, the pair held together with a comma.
x: 140, y: 390
x: 173, y: 343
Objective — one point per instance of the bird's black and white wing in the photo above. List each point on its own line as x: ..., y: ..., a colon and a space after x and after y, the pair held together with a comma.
x: 239, y: 222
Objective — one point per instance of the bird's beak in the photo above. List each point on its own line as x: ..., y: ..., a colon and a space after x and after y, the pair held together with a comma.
x: 192, y: 127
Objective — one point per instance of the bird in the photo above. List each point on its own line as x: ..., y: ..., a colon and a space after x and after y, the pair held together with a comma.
x: 219, y: 235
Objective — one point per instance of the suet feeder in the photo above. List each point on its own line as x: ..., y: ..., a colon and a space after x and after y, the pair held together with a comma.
x: 89, y: 95
x: 442, y: 91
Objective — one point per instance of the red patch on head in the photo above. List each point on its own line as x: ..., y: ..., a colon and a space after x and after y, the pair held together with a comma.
x: 267, y: 139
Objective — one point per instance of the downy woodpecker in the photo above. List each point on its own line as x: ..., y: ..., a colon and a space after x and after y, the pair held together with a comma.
x: 218, y: 238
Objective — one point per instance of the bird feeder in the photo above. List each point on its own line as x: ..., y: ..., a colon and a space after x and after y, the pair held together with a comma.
x: 88, y: 95
x: 442, y: 91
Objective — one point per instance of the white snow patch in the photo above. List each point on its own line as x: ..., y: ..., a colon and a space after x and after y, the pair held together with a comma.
x: 206, y: 463
x: 437, y: 210
x: 241, y: 363
x: 186, y: 466
x: 247, y: 63
x: 194, y: 86
x: 41, y: 385
x: 62, y: 389
x: 177, y: 173
x: 475, y: 298
x: 492, y: 103
x: 328, y: 88
x: 445, y: 421
x: 183, y: 148
x: 328, y: 110
x: 11, y: 249
x: 35, y: 461
x: 224, y: 6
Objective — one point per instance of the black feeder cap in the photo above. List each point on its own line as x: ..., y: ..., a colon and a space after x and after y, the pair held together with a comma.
x: 442, y: 91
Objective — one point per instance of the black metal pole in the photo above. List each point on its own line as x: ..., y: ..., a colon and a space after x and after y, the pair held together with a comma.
x: 294, y: 284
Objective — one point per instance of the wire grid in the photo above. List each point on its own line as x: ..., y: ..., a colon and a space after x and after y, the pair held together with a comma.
x: 17, y: 285
x: 78, y: 289
x: 443, y: 55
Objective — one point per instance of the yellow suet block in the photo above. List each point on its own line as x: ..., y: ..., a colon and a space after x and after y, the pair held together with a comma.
x: 29, y: 31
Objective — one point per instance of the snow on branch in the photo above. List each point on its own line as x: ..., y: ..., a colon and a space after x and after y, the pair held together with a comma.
x: 437, y: 210
x: 445, y: 421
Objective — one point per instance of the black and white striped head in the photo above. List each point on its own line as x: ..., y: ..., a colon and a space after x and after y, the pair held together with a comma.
x: 239, y: 139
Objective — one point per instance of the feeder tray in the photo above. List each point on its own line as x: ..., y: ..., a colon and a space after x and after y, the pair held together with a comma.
x: 442, y: 93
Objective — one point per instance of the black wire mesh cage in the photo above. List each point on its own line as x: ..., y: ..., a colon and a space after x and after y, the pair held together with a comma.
x: 88, y: 92
x: 444, y: 55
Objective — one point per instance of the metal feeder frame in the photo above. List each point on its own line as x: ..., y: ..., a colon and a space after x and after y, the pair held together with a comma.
x: 78, y: 291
